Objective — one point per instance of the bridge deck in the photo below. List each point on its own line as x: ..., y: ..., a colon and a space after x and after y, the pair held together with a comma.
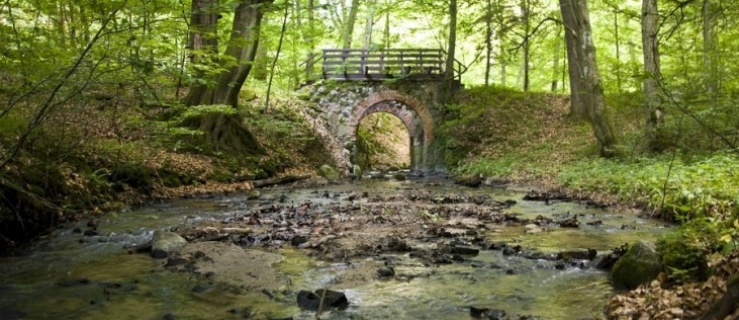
x: 380, y: 65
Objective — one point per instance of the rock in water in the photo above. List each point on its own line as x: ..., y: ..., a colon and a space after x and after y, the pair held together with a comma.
x: 486, y: 313
x: 166, y: 242
x: 253, y: 194
x: 329, y: 172
x: 472, y: 181
x: 641, y: 264
x: 312, y: 300
x: 385, y: 272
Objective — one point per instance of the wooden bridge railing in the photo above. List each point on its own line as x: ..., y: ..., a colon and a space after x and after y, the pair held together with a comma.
x: 371, y: 65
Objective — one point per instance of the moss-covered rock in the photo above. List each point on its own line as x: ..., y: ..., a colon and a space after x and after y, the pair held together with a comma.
x: 641, y: 264
x: 329, y: 172
x: 166, y: 242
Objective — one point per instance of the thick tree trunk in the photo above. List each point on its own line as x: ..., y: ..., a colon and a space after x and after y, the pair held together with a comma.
x: 652, y: 74
x: 242, y: 49
x: 589, y: 90
x: 348, y: 34
x: 577, y: 108
x: 204, y: 46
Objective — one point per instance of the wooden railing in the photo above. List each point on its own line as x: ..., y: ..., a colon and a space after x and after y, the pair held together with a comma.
x: 369, y: 65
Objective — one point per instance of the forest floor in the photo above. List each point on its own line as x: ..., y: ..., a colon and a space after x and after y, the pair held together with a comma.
x: 508, y: 136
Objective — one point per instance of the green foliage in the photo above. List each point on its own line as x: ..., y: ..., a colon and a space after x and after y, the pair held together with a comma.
x: 678, y: 189
x: 684, y: 250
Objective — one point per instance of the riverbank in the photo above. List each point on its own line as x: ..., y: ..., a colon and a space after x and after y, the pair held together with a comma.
x: 101, y: 153
x: 510, y: 136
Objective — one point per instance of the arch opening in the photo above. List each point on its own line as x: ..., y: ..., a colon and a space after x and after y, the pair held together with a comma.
x: 415, y: 116
x: 383, y: 142
x: 374, y: 149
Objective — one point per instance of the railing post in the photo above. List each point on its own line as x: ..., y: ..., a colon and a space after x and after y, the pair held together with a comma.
x: 362, y: 63
x: 323, y: 63
x: 441, y: 62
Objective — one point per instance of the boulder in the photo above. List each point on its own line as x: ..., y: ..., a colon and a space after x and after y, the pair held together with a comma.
x: 331, y: 300
x: 168, y: 242
x: 640, y: 264
x: 329, y: 172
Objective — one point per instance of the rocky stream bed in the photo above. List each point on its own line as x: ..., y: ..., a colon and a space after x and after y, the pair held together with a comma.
x: 384, y: 249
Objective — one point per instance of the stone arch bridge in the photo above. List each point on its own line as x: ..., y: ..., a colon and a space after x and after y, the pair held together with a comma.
x: 407, y: 83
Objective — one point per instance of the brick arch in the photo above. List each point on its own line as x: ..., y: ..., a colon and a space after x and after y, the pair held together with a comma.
x: 407, y: 117
x: 376, y: 103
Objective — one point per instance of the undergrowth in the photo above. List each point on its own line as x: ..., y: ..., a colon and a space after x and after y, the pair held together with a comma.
x: 510, y: 135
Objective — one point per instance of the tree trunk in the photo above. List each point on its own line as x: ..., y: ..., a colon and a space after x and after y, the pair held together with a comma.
x: 311, y: 26
x: 386, y: 34
x: 618, y: 49
x: 277, y: 57
x: 503, y: 70
x: 242, y: 49
x: 347, y: 37
x: 555, y: 60
x: 652, y: 74
x: 369, y: 24
x: 452, y: 44
x: 577, y: 107
x: 589, y: 90
x: 488, y: 40
x: 203, y: 47
x: 526, y: 10
x: 708, y: 48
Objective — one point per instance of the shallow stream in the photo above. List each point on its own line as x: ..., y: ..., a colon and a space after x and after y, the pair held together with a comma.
x: 68, y: 275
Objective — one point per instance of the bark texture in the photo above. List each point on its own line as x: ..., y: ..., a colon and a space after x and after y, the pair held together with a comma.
x: 241, y: 51
x: 204, y: 46
x: 586, y: 89
x: 652, y: 74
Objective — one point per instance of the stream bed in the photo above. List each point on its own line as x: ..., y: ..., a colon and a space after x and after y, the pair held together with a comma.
x: 447, y: 248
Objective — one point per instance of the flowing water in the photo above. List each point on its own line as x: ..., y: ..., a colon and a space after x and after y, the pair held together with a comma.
x: 70, y: 276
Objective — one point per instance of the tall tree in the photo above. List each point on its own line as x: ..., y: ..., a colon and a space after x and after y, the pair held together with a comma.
x: 238, y: 58
x: 204, y: 46
x: 587, y: 90
x: 369, y: 24
x: 452, y: 43
x: 525, y: 7
x: 351, y: 19
x: 652, y: 73
x: 556, y: 53
x: 709, y: 44
x: 488, y: 39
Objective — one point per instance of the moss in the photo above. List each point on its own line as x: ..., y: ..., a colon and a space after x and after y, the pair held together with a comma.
x: 639, y: 265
